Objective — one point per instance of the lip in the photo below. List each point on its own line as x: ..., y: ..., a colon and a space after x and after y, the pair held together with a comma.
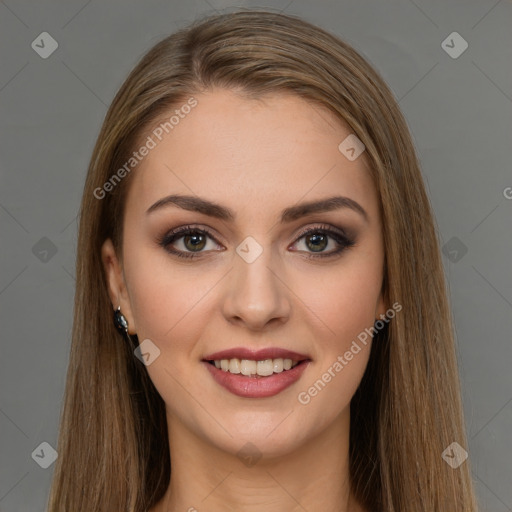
x: 256, y: 386
x: 256, y: 355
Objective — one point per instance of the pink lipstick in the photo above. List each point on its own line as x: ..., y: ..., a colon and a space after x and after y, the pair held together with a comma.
x: 256, y: 373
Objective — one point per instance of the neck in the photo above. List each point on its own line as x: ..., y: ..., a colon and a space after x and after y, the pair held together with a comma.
x: 315, y: 476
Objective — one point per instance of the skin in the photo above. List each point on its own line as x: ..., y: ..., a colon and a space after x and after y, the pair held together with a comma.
x: 256, y: 157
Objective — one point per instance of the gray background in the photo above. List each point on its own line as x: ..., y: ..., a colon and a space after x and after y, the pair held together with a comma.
x: 459, y: 111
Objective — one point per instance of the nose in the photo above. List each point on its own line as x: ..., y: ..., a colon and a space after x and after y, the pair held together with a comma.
x: 256, y: 293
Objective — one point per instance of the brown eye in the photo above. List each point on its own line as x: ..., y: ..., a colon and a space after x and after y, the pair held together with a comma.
x: 191, y: 239
x: 318, y: 239
x: 195, y: 242
x: 316, y: 242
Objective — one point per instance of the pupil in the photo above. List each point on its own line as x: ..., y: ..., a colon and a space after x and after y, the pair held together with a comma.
x: 196, y: 241
x: 317, y: 238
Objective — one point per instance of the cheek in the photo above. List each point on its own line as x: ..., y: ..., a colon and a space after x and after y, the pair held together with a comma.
x: 342, y: 306
x: 171, y: 305
x: 167, y: 299
x: 342, y: 351
x: 342, y: 303
x: 326, y: 398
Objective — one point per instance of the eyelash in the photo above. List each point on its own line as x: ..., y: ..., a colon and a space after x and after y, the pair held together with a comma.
x: 170, y: 237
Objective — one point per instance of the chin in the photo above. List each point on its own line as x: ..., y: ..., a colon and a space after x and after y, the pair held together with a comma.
x: 258, y: 446
x: 268, y: 435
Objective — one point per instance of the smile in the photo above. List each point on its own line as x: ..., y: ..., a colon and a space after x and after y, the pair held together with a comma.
x: 256, y: 374
x: 250, y: 367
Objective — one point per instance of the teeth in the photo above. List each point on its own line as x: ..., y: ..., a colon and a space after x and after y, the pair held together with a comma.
x: 234, y: 366
x: 249, y: 367
x: 278, y: 365
x: 265, y: 368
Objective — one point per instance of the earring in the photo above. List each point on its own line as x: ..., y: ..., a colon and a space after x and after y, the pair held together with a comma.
x: 120, y: 320
x: 122, y: 324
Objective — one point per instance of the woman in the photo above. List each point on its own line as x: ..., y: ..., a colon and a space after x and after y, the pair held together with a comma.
x: 255, y: 216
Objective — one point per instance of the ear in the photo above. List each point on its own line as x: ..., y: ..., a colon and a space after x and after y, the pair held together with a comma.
x: 117, y: 289
x: 381, y: 307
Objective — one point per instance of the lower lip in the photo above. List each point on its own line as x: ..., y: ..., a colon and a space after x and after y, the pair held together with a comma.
x: 257, y: 387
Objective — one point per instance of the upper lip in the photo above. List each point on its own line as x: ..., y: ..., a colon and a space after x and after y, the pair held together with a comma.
x: 256, y: 355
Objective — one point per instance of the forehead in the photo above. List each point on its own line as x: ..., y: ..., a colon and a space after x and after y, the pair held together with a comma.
x: 255, y: 155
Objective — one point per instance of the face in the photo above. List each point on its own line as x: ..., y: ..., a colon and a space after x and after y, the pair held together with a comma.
x: 254, y: 273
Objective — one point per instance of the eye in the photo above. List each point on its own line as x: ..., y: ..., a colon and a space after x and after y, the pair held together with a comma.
x: 317, y: 239
x: 190, y: 241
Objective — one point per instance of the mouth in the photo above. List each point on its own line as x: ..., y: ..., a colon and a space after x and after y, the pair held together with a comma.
x: 256, y: 374
x: 252, y: 368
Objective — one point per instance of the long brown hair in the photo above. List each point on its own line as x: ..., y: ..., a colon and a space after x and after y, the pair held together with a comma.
x: 113, y: 445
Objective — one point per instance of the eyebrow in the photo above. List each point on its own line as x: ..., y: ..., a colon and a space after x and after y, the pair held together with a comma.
x: 212, y: 209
